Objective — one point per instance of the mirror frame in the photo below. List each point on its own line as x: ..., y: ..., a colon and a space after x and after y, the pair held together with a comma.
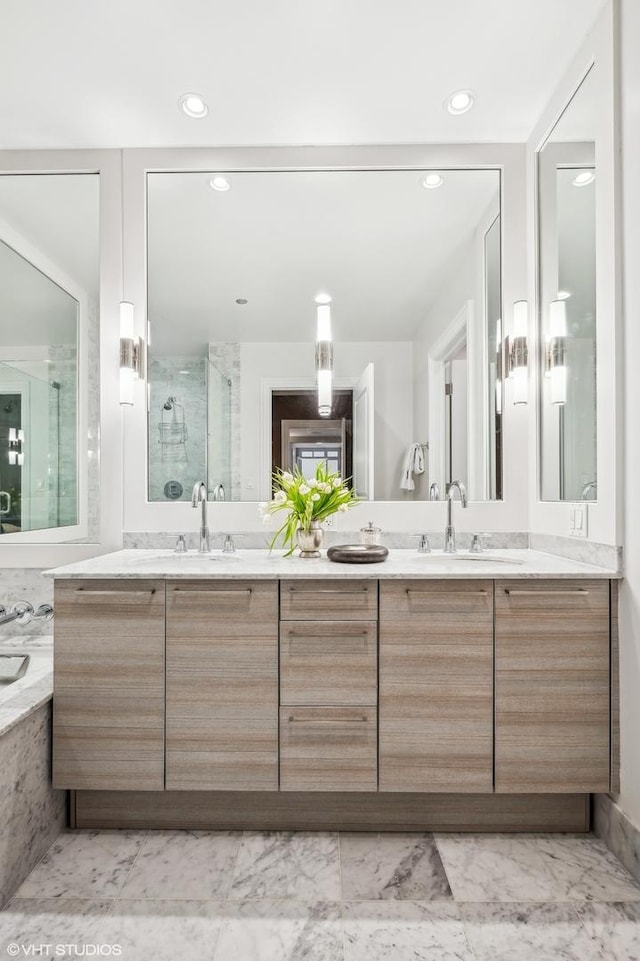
x: 54, y: 546
x: 605, y: 514
x: 509, y: 514
x: 37, y: 259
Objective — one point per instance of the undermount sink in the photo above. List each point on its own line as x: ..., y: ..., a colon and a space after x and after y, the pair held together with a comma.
x: 476, y: 558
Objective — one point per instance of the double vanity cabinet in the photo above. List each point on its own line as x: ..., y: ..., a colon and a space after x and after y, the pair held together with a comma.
x: 489, y: 699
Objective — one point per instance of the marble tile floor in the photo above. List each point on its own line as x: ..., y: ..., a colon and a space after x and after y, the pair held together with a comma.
x: 228, y: 896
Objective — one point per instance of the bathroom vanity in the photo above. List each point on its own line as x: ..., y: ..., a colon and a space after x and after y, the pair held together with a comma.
x: 257, y: 691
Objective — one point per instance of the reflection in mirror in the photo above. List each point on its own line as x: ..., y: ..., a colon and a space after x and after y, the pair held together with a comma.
x: 48, y: 305
x: 567, y: 299
x: 413, y: 276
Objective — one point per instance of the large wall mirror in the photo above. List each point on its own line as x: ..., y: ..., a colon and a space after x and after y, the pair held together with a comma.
x: 49, y: 274
x: 411, y: 262
x: 567, y: 185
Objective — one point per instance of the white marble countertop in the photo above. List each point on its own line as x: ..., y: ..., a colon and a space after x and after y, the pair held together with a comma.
x: 260, y: 564
x: 26, y: 695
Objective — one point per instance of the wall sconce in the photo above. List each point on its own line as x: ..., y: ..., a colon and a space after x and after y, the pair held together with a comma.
x: 324, y: 360
x: 131, y: 354
x: 16, y: 447
x: 556, y: 352
x: 518, y: 352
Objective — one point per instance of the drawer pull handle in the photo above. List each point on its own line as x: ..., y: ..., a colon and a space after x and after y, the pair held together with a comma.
x: 577, y: 592
x: 327, y: 720
x: 330, y: 637
x: 326, y: 590
x: 82, y: 590
x: 451, y: 594
x: 195, y: 590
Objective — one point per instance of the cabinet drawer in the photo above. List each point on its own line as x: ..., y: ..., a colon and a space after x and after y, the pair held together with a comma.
x: 348, y: 600
x: 328, y: 749
x: 328, y: 662
x: 449, y: 598
x: 194, y: 608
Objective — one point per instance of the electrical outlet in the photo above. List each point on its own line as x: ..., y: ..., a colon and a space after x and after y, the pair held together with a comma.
x: 578, y: 519
x: 329, y: 523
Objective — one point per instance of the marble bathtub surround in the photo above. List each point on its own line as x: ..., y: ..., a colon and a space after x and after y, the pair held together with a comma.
x: 35, y: 688
x: 392, y: 867
x: 25, y: 584
x: 287, y: 865
x: 32, y: 814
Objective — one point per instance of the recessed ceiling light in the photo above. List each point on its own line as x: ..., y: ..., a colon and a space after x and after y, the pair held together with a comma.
x: 242, y: 300
x: 583, y: 178
x: 431, y: 181
x: 563, y: 295
x: 323, y: 299
x: 219, y: 183
x: 193, y: 105
x: 459, y: 102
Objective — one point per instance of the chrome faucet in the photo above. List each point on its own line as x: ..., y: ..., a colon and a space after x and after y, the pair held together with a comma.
x: 449, y: 532
x: 199, y: 496
x: 591, y: 487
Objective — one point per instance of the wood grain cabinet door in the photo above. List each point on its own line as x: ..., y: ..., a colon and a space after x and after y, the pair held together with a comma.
x: 222, y: 685
x: 108, y: 704
x: 328, y: 749
x: 552, y: 686
x: 436, y: 686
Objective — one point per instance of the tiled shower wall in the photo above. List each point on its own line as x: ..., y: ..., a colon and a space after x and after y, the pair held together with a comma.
x: 186, y: 379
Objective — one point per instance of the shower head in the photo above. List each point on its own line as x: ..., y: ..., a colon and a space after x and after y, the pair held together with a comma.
x: 8, y: 407
x: 169, y: 402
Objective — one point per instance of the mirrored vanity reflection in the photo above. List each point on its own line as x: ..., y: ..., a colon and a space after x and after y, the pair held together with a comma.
x: 49, y: 269
x: 407, y: 264
x: 567, y: 184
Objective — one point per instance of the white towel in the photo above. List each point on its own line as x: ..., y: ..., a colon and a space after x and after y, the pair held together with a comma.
x: 413, y: 464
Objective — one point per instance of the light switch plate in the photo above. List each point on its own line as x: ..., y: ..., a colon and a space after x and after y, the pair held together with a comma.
x: 578, y: 519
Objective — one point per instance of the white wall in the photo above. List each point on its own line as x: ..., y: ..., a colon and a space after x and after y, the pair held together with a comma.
x: 630, y: 590
x: 393, y: 400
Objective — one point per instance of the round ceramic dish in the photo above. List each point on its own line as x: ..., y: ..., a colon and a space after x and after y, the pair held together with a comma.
x: 357, y: 553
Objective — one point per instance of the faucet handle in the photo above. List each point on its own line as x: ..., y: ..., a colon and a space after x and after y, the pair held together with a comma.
x: 424, y: 547
x: 228, y: 545
x: 181, y: 545
x: 478, y: 543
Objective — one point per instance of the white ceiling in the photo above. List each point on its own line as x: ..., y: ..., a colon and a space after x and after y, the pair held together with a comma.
x: 376, y: 241
x: 81, y: 73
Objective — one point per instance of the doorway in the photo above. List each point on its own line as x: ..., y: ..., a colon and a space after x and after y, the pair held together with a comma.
x: 299, y: 438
